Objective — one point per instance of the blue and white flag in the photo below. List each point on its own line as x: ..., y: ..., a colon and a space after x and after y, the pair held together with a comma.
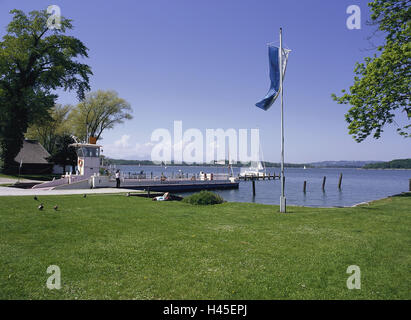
x: 274, y: 59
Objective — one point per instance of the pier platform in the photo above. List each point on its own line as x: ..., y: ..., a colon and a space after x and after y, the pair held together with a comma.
x: 180, y: 186
x: 156, y: 184
x: 259, y: 177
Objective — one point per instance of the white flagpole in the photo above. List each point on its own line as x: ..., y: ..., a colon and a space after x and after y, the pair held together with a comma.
x: 282, y: 198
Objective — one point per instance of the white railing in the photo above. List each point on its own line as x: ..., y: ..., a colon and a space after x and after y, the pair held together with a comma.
x: 173, y: 178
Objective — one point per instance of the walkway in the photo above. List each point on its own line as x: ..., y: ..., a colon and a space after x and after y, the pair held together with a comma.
x: 7, y: 191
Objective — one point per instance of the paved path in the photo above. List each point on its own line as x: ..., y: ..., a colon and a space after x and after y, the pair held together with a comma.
x: 7, y: 191
x: 12, y: 180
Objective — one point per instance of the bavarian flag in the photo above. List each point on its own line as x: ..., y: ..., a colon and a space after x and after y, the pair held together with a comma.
x: 274, y: 60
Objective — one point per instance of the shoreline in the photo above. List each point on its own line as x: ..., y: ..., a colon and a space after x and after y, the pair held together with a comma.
x: 235, y: 166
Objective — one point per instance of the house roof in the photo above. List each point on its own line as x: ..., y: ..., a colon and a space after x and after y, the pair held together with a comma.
x: 32, y: 152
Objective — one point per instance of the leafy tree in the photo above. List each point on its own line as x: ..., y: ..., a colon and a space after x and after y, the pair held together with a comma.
x: 46, y: 130
x: 34, y: 60
x: 382, y: 84
x: 63, y: 154
x: 98, y: 112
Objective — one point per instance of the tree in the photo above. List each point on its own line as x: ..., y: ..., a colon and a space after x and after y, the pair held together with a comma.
x: 34, y: 60
x: 99, y: 111
x: 46, y: 130
x: 64, y: 154
x: 382, y: 84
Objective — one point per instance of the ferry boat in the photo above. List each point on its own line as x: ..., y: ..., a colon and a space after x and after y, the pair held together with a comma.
x: 90, y: 174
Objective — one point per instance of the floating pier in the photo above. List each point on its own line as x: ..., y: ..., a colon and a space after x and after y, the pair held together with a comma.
x: 178, y: 185
x: 259, y: 177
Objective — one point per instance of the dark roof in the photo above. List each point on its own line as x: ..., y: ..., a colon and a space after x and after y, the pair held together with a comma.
x: 32, y: 152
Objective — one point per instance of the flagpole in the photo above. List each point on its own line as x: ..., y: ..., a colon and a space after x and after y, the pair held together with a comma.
x: 282, y: 198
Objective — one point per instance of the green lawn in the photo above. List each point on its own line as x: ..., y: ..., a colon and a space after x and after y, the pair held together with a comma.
x: 117, y: 247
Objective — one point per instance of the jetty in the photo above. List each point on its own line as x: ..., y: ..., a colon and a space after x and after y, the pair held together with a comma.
x: 261, y: 176
x: 92, y: 175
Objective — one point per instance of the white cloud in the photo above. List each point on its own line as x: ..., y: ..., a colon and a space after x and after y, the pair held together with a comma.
x: 124, y: 148
x: 123, y: 142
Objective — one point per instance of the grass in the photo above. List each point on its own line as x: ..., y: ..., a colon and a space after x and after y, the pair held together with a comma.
x: 117, y: 247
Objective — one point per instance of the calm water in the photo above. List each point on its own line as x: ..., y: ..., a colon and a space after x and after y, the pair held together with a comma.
x: 357, y: 185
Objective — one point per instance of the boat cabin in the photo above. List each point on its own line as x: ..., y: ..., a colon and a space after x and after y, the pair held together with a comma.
x: 88, y: 158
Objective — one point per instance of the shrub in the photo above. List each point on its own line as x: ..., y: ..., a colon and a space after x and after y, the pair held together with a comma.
x: 204, y: 198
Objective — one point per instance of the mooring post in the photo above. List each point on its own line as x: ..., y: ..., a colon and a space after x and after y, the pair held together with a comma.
x: 151, y: 174
x: 305, y: 186
x: 323, y: 186
x: 148, y: 192
x: 410, y: 186
x: 253, y: 180
x: 339, y: 181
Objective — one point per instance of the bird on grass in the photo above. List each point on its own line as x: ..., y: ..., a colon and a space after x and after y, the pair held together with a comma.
x: 40, y: 207
x: 55, y: 207
x: 35, y: 198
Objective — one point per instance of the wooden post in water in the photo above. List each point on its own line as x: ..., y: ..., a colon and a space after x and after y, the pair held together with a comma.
x: 339, y: 181
x: 253, y: 180
x: 151, y: 174
x: 410, y: 186
x: 305, y: 186
x: 323, y: 186
x: 148, y: 192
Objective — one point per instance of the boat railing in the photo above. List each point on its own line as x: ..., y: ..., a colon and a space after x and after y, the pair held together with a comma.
x: 128, y: 176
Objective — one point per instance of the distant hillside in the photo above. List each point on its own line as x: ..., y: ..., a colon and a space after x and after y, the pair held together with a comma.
x: 342, y: 164
x: 394, y: 164
x: 151, y: 163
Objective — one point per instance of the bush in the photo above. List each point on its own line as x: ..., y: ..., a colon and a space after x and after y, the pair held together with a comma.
x: 204, y: 198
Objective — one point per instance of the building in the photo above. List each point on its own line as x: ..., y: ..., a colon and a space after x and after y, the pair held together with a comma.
x: 33, y: 158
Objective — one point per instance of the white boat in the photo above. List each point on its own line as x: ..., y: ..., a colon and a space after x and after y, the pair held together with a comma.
x: 255, y: 170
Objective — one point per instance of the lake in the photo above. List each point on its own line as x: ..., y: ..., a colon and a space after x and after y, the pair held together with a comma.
x: 358, y: 185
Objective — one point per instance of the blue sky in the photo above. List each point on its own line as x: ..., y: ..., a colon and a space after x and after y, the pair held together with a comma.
x: 205, y: 63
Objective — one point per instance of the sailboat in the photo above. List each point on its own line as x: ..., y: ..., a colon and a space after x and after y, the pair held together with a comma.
x: 256, y: 168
